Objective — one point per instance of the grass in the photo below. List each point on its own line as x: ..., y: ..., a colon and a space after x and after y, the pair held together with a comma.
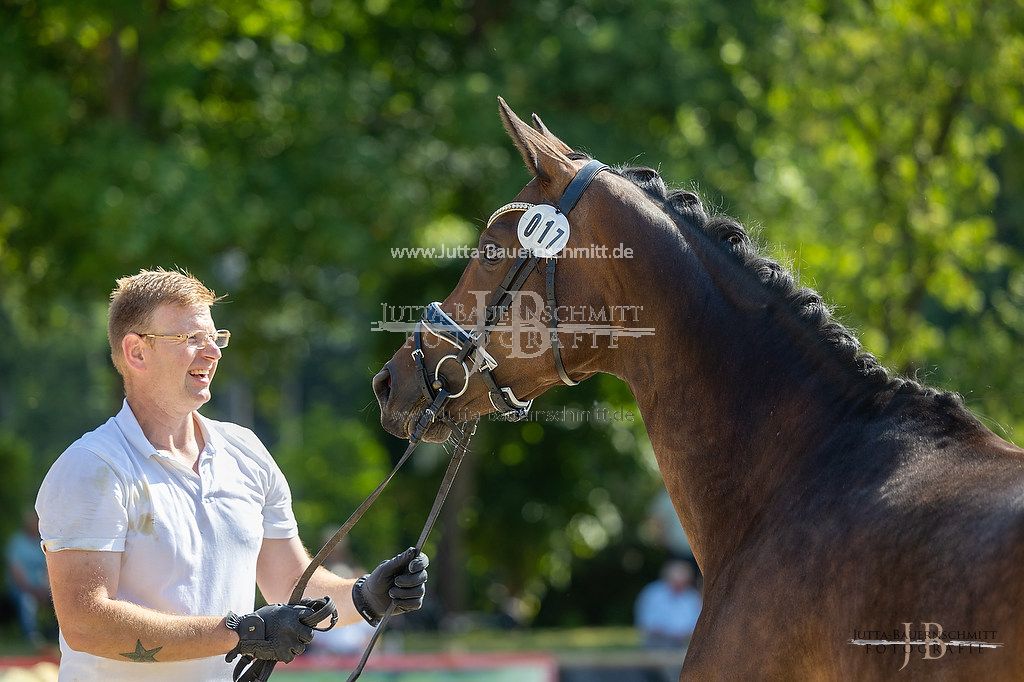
x: 546, y: 640
x: 12, y: 643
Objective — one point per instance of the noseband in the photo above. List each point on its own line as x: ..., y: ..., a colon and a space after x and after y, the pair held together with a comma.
x: 466, y: 343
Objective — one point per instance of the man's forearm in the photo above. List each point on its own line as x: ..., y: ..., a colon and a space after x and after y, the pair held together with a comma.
x: 93, y: 620
x: 128, y: 632
x: 280, y: 564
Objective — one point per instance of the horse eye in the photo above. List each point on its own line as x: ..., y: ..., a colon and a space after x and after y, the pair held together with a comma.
x: 492, y: 253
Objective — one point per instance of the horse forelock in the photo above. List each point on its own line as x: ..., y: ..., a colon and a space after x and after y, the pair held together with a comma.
x: 686, y: 211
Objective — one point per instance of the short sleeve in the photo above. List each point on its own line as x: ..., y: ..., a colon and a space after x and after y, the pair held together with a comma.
x: 278, y: 517
x: 81, y: 504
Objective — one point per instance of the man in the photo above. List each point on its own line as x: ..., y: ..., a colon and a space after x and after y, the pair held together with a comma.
x: 158, y: 525
x: 667, y: 609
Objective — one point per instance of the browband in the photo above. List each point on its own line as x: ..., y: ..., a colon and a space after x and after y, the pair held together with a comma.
x: 573, y: 191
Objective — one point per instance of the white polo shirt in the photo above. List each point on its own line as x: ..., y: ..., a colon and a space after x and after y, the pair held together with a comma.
x: 188, y: 541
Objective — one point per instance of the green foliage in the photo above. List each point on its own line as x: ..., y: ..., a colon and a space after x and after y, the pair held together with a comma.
x: 279, y: 149
x: 337, y: 464
x: 15, y: 454
x: 910, y: 250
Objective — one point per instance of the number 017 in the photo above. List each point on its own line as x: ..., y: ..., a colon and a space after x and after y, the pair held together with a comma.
x: 534, y: 223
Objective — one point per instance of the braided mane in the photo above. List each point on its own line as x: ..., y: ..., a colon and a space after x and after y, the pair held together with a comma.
x: 687, y: 211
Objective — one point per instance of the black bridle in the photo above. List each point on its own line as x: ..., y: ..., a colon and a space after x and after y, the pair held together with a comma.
x: 437, y: 394
x: 468, y: 343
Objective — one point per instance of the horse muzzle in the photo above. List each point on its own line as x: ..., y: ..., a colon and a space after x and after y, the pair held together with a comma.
x: 399, y: 412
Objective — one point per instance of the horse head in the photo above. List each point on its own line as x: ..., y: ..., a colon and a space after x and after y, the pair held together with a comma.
x: 516, y: 325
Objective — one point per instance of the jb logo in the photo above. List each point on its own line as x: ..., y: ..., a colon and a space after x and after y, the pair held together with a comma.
x: 928, y: 642
x: 931, y: 641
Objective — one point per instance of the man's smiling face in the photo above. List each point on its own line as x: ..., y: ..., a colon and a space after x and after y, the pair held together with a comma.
x: 176, y: 375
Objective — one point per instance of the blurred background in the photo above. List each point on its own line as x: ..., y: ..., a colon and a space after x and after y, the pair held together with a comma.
x: 280, y: 149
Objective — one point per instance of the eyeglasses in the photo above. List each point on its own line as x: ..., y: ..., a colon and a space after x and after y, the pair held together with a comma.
x: 198, y: 340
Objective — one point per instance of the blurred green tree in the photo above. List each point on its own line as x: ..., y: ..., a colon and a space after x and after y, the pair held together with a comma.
x: 279, y: 150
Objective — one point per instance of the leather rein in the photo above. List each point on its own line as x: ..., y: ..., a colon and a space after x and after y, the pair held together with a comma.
x: 436, y: 393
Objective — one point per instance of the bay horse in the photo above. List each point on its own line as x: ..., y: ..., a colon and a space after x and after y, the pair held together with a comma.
x: 850, y: 524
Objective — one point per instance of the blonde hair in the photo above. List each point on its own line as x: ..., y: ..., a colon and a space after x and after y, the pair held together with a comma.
x: 136, y: 297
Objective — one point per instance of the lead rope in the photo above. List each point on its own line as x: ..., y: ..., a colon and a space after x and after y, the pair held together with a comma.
x: 461, y: 448
x: 260, y: 670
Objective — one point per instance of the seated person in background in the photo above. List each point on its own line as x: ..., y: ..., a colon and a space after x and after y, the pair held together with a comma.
x: 666, y: 610
x: 27, y: 581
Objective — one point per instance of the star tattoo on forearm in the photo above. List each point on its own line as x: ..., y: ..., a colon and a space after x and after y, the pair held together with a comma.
x: 142, y: 654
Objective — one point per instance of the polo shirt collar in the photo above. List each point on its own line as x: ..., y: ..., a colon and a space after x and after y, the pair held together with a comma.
x: 212, y: 437
x: 129, y: 426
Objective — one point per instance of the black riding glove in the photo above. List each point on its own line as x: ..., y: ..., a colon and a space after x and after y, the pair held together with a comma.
x: 251, y: 669
x: 273, y: 633
x: 401, y: 580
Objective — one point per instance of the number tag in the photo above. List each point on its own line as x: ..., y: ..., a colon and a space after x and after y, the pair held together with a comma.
x: 543, y: 230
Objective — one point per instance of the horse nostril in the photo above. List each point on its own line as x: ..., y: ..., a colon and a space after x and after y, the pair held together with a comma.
x: 382, y: 386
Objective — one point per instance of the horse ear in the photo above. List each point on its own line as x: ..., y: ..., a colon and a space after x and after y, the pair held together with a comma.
x: 543, y: 130
x: 545, y: 158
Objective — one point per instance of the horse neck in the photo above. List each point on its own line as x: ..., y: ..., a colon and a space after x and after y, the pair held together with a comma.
x: 735, y: 391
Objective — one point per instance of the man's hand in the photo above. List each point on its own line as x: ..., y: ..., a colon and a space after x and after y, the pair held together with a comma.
x: 401, y: 580
x: 273, y: 633
x: 251, y: 667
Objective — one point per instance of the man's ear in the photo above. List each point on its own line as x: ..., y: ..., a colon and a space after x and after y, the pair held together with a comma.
x: 135, y: 351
